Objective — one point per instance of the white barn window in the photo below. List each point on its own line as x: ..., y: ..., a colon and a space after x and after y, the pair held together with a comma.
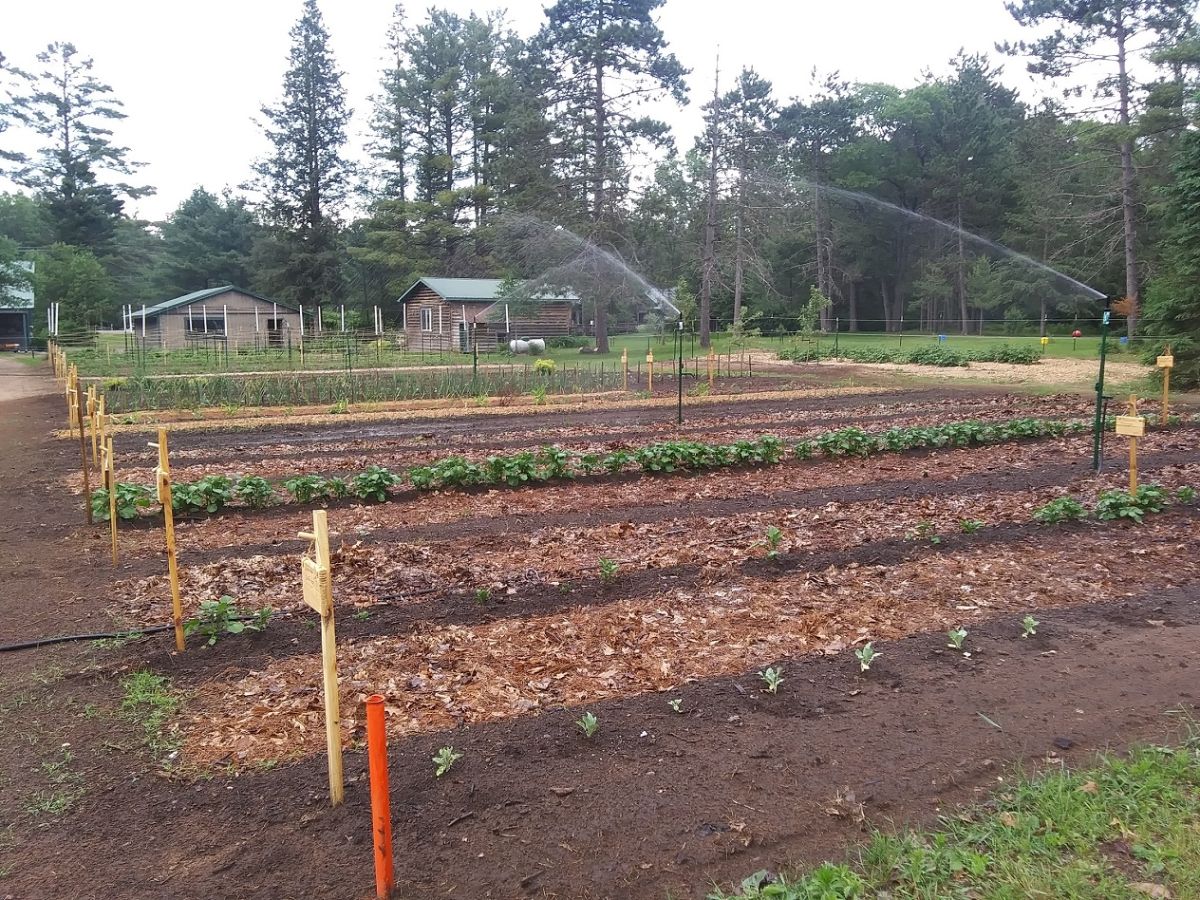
x: 427, y: 318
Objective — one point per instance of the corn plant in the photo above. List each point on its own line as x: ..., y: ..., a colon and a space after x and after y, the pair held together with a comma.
x: 588, y: 724
x: 608, y: 569
x: 956, y: 637
x: 866, y: 654
x: 444, y: 761
x: 772, y: 676
x: 1029, y: 626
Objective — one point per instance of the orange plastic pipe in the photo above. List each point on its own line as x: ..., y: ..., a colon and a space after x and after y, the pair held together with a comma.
x: 381, y: 809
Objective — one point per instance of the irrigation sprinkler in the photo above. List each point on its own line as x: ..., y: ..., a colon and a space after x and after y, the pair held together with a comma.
x: 1098, y: 425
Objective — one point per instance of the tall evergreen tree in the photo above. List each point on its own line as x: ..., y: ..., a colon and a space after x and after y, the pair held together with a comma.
x: 207, y: 241
x: 1103, y: 35
x: 305, y: 179
x: 69, y: 109
x: 613, y: 57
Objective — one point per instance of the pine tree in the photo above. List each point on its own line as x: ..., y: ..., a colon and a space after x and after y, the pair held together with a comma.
x: 69, y: 108
x: 305, y: 179
x: 207, y: 241
x: 612, y: 58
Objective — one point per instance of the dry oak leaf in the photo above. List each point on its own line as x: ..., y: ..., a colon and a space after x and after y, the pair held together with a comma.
x: 1150, y: 889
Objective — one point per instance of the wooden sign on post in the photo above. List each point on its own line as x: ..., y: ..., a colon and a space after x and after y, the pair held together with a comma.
x: 1166, y: 362
x: 625, y: 368
x: 650, y: 371
x: 317, y: 584
x: 1132, y: 426
x: 163, y: 478
x: 109, y: 474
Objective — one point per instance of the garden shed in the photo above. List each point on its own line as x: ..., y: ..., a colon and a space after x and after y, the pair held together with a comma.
x: 16, y: 310
x: 223, y: 315
x: 439, y: 313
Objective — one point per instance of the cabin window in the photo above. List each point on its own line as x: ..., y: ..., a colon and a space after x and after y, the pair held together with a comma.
x: 427, y: 318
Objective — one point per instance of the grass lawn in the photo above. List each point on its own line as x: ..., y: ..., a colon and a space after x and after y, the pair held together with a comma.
x: 1128, y: 828
x: 109, y: 358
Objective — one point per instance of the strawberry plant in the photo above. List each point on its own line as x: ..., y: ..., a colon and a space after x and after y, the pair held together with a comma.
x: 374, y: 483
x: 846, y: 442
x: 131, y: 498
x: 555, y: 462
x: 514, y: 470
x: 1062, y: 509
x: 254, y: 491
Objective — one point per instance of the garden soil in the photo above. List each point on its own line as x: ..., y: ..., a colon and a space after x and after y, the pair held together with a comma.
x: 657, y: 804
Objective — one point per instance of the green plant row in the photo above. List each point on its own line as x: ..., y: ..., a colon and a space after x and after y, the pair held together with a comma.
x: 923, y: 354
x: 1114, y: 504
x: 212, y: 493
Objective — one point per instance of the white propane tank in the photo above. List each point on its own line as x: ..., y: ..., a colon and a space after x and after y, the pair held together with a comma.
x: 533, y: 347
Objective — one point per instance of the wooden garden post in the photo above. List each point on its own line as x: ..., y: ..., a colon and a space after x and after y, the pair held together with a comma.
x: 163, y: 473
x: 625, y: 368
x: 1166, y: 362
x: 109, y: 470
x: 318, y: 593
x: 1132, y: 426
x: 76, y: 415
x: 710, y: 368
x: 650, y: 371
x: 92, y: 408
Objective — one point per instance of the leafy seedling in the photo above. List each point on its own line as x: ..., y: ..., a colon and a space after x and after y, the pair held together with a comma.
x: 588, y: 724
x: 956, y: 636
x: 774, y: 539
x: 444, y: 761
x: 1185, y: 494
x: 608, y: 569
x: 926, y: 531
x: 772, y: 676
x: 1029, y: 626
x: 676, y: 704
x: 483, y: 595
x: 866, y: 654
x: 970, y: 526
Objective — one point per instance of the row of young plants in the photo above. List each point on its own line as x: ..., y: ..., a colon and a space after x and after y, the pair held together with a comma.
x: 1111, y: 505
x: 213, y: 493
x: 923, y: 354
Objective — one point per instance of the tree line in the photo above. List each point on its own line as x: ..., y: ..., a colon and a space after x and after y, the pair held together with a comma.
x: 865, y: 206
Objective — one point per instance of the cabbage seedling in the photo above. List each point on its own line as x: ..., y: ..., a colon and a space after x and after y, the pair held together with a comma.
x: 676, y: 704
x: 774, y: 539
x: 866, y: 655
x: 588, y: 724
x: 444, y: 760
x: 1029, y: 626
x: 956, y: 637
x: 773, y: 676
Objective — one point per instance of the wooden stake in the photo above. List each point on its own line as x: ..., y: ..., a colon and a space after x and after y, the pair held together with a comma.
x: 164, y: 497
x: 110, y: 484
x: 91, y: 410
x: 710, y: 368
x: 625, y: 368
x: 1166, y: 362
x: 77, y: 416
x: 317, y: 581
x: 650, y: 371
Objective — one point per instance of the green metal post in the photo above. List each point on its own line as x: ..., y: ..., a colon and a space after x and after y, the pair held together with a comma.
x: 1098, y: 425
x: 679, y: 373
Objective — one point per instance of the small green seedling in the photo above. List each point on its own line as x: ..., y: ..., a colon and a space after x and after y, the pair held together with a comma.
x: 1185, y: 494
x: 676, y: 704
x: 483, y: 595
x: 444, y: 761
x: 773, y: 677
x: 774, y: 539
x: 956, y: 636
x: 362, y: 615
x: 588, y: 724
x: 608, y: 569
x: 970, y: 526
x: 927, y: 531
x: 1029, y: 626
x: 866, y: 654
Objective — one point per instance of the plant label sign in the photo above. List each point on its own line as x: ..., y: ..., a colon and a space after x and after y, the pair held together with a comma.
x: 316, y: 585
x: 1131, y: 426
x: 1166, y: 362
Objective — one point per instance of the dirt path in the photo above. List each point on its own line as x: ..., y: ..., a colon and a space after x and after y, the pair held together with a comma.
x: 20, y: 379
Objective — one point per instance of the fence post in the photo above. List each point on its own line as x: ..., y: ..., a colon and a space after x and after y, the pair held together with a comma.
x: 163, y: 478
x: 381, y: 811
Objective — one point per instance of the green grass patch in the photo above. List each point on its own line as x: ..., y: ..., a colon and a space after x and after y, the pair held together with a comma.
x: 151, y: 703
x: 1127, y: 828
x: 64, y: 787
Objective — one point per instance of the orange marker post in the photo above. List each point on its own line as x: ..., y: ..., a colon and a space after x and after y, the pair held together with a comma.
x: 381, y: 806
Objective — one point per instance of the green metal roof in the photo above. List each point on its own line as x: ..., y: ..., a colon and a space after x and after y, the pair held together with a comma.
x: 197, y: 296
x: 479, y: 290
x: 19, y: 297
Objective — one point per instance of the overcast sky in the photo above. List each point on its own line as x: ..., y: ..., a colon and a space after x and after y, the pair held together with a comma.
x: 193, y: 76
